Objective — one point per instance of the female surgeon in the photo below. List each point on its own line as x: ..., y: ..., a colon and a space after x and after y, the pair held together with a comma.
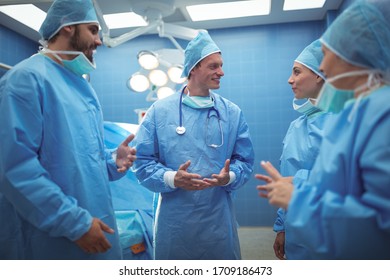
x: 343, y: 210
x: 302, y: 141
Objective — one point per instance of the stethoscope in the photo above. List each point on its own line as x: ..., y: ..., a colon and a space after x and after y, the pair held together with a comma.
x: 180, y: 130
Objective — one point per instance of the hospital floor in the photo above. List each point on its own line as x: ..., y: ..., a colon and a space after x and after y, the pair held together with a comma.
x: 257, y: 243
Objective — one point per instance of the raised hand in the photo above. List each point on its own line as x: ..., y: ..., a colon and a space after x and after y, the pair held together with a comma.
x: 125, y: 155
x: 278, y: 189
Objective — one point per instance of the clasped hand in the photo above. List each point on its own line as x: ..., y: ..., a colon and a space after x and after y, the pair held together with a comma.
x: 193, y: 181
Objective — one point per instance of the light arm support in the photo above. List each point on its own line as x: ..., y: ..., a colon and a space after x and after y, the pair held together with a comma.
x: 163, y: 29
x: 170, y: 31
x: 113, y: 42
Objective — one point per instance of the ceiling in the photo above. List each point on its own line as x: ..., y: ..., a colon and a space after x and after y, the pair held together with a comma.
x: 179, y: 16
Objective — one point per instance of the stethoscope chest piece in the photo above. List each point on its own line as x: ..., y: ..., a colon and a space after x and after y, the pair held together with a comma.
x: 180, y: 130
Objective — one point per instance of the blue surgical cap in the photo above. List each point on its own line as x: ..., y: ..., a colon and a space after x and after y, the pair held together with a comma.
x: 311, y: 57
x: 67, y: 12
x: 197, y: 49
x: 361, y: 35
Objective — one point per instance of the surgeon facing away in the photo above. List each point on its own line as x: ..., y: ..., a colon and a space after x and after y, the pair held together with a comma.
x: 343, y: 210
x: 195, y: 150
x: 303, y: 138
x: 54, y: 169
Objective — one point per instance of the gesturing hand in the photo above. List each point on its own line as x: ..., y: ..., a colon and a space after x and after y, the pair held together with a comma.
x: 278, y: 189
x: 222, y: 178
x: 189, y: 181
x: 125, y: 155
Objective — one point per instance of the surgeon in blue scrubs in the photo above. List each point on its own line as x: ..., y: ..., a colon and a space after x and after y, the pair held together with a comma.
x: 342, y: 211
x: 195, y: 150
x: 55, y: 201
x: 303, y: 138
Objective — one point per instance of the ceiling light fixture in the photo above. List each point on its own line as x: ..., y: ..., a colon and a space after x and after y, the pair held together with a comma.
x: 290, y: 5
x: 123, y: 20
x: 226, y: 10
x: 27, y: 14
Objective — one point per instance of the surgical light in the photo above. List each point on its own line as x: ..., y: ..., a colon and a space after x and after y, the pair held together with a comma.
x: 174, y: 73
x: 158, y: 77
x: 148, y: 60
x: 138, y: 82
x: 161, y: 68
x: 164, y: 76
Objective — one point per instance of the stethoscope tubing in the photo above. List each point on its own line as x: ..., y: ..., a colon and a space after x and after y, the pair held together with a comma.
x: 180, y: 130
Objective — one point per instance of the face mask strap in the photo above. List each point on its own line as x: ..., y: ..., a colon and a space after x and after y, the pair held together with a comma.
x: 373, y: 82
x: 46, y: 50
x: 44, y: 43
x: 350, y: 74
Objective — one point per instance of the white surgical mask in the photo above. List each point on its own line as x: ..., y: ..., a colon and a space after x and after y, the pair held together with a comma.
x: 79, y: 65
x: 332, y: 99
x: 306, y: 108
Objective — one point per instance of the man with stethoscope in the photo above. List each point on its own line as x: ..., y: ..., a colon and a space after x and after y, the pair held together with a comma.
x: 194, y: 149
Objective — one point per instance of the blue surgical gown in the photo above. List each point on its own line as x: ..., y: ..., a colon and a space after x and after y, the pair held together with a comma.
x: 343, y: 210
x: 54, y: 168
x: 301, y: 145
x: 194, y: 224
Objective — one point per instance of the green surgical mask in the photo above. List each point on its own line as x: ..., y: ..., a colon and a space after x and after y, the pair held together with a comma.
x: 79, y: 65
x: 332, y: 99
x: 198, y: 102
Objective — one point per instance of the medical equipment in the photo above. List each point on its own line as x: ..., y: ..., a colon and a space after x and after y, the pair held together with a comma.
x: 181, y: 129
